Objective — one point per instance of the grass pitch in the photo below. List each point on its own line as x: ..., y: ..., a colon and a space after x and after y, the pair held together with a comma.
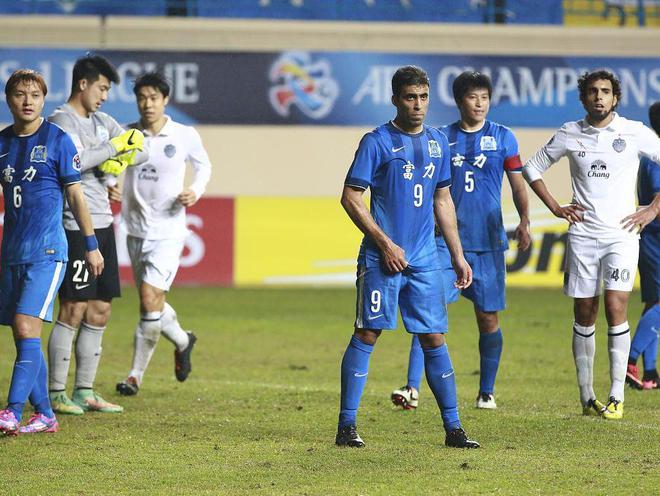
x: 258, y: 413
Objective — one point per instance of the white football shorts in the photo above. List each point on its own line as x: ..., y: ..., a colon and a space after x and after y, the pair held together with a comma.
x: 155, y: 261
x: 592, y: 264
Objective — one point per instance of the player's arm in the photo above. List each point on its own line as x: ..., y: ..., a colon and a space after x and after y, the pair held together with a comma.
x: 199, y: 160
x: 76, y: 200
x: 445, y: 217
x: 533, y: 173
x: 393, y: 256
x: 521, y: 202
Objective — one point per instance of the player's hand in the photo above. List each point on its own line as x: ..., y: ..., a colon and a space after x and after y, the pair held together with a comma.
x: 133, y: 139
x: 114, y: 194
x: 95, y: 262
x: 117, y: 165
x: 394, y: 258
x: 463, y: 273
x: 640, y: 219
x: 187, y: 198
x: 573, y: 213
x: 523, y: 236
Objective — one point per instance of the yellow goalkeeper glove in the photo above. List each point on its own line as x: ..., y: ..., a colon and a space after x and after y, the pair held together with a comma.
x: 133, y: 139
x: 116, y: 165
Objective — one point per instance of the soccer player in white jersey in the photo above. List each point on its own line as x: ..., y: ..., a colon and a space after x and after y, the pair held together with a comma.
x: 85, y: 302
x: 603, y: 152
x: 154, y: 214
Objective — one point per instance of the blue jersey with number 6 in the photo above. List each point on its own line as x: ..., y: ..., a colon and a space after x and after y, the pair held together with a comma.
x: 403, y: 172
x: 34, y: 170
x: 478, y: 161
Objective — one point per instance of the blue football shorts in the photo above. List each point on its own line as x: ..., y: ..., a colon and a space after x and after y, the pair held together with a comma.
x: 487, y: 290
x: 649, y: 266
x: 29, y: 289
x: 419, y: 296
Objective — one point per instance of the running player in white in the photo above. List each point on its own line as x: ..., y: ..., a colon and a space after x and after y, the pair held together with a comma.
x: 154, y: 214
x: 603, y: 151
x: 85, y: 302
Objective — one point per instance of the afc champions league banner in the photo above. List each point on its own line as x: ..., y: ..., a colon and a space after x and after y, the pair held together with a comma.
x: 341, y: 88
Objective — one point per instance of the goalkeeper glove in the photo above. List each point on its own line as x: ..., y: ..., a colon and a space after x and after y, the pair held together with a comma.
x: 116, y: 165
x: 132, y: 139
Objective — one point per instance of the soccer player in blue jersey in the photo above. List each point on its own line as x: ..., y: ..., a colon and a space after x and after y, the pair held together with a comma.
x: 38, y: 162
x: 481, y: 152
x: 645, y: 342
x: 405, y: 164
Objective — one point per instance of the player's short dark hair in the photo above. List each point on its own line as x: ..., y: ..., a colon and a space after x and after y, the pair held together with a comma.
x: 25, y: 76
x: 654, y: 117
x: 589, y: 77
x: 409, y: 75
x: 91, y: 67
x: 153, y: 79
x: 469, y: 80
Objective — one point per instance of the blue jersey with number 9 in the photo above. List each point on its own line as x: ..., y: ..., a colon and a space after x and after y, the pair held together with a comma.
x: 403, y: 172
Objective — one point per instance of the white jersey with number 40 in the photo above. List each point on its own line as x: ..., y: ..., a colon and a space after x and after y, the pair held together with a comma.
x: 603, y: 165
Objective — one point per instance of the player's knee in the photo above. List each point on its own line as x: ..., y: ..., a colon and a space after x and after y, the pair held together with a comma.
x: 368, y: 336
x: 151, y: 299
x: 72, y: 312
x: 25, y: 328
x: 432, y: 340
x: 98, y: 312
x: 487, y: 322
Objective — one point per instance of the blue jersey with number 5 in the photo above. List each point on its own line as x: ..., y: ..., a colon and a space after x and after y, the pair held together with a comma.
x: 403, y: 172
x: 478, y: 161
x: 34, y: 170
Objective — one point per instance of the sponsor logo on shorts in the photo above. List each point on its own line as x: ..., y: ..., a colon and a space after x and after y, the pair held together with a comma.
x: 372, y: 317
x: 81, y: 286
x: 447, y: 374
x: 357, y: 374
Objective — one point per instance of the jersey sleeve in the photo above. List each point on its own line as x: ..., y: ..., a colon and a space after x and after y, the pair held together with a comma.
x: 68, y: 161
x: 444, y: 174
x: 649, y: 144
x: 547, y: 155
x: 200, y: 162
x: 365, y: 163
x: 512, y: 162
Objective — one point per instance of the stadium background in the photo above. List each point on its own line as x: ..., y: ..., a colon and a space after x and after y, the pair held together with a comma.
x: 281, y: 105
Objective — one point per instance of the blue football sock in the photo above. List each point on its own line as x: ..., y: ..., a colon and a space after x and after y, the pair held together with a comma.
x: 354, y: 370
x: 650, y: 353
x: 645, y: 335
x: 26, y: 368
x: 39, y: 394
x: 490, y: 350
x: 442, y: 381
x: 415, y: 363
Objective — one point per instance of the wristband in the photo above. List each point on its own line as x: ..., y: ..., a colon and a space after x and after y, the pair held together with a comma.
x: 91, y: 243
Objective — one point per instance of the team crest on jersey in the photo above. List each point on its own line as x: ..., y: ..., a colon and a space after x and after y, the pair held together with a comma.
x: 408, y: 169
x: 75, y: 163
x: 619, y: 145
x: 7, y: 174
x: 102, y: 133
x: 488, y: 143
x: 38, y: 153
x: 434, y: 149
x: 170, y: 151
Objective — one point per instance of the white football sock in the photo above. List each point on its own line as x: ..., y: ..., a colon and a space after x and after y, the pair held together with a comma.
x: 584, y: 350
x: 618, y: 345
x: 88, y: 354
x: 146, y: 339
x: 171, y: 328
x: 60, y: 343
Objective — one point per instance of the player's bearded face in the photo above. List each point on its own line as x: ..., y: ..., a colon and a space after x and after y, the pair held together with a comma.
x: 411, y: 105
x: 600, y: 100
x: 26, y: 102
